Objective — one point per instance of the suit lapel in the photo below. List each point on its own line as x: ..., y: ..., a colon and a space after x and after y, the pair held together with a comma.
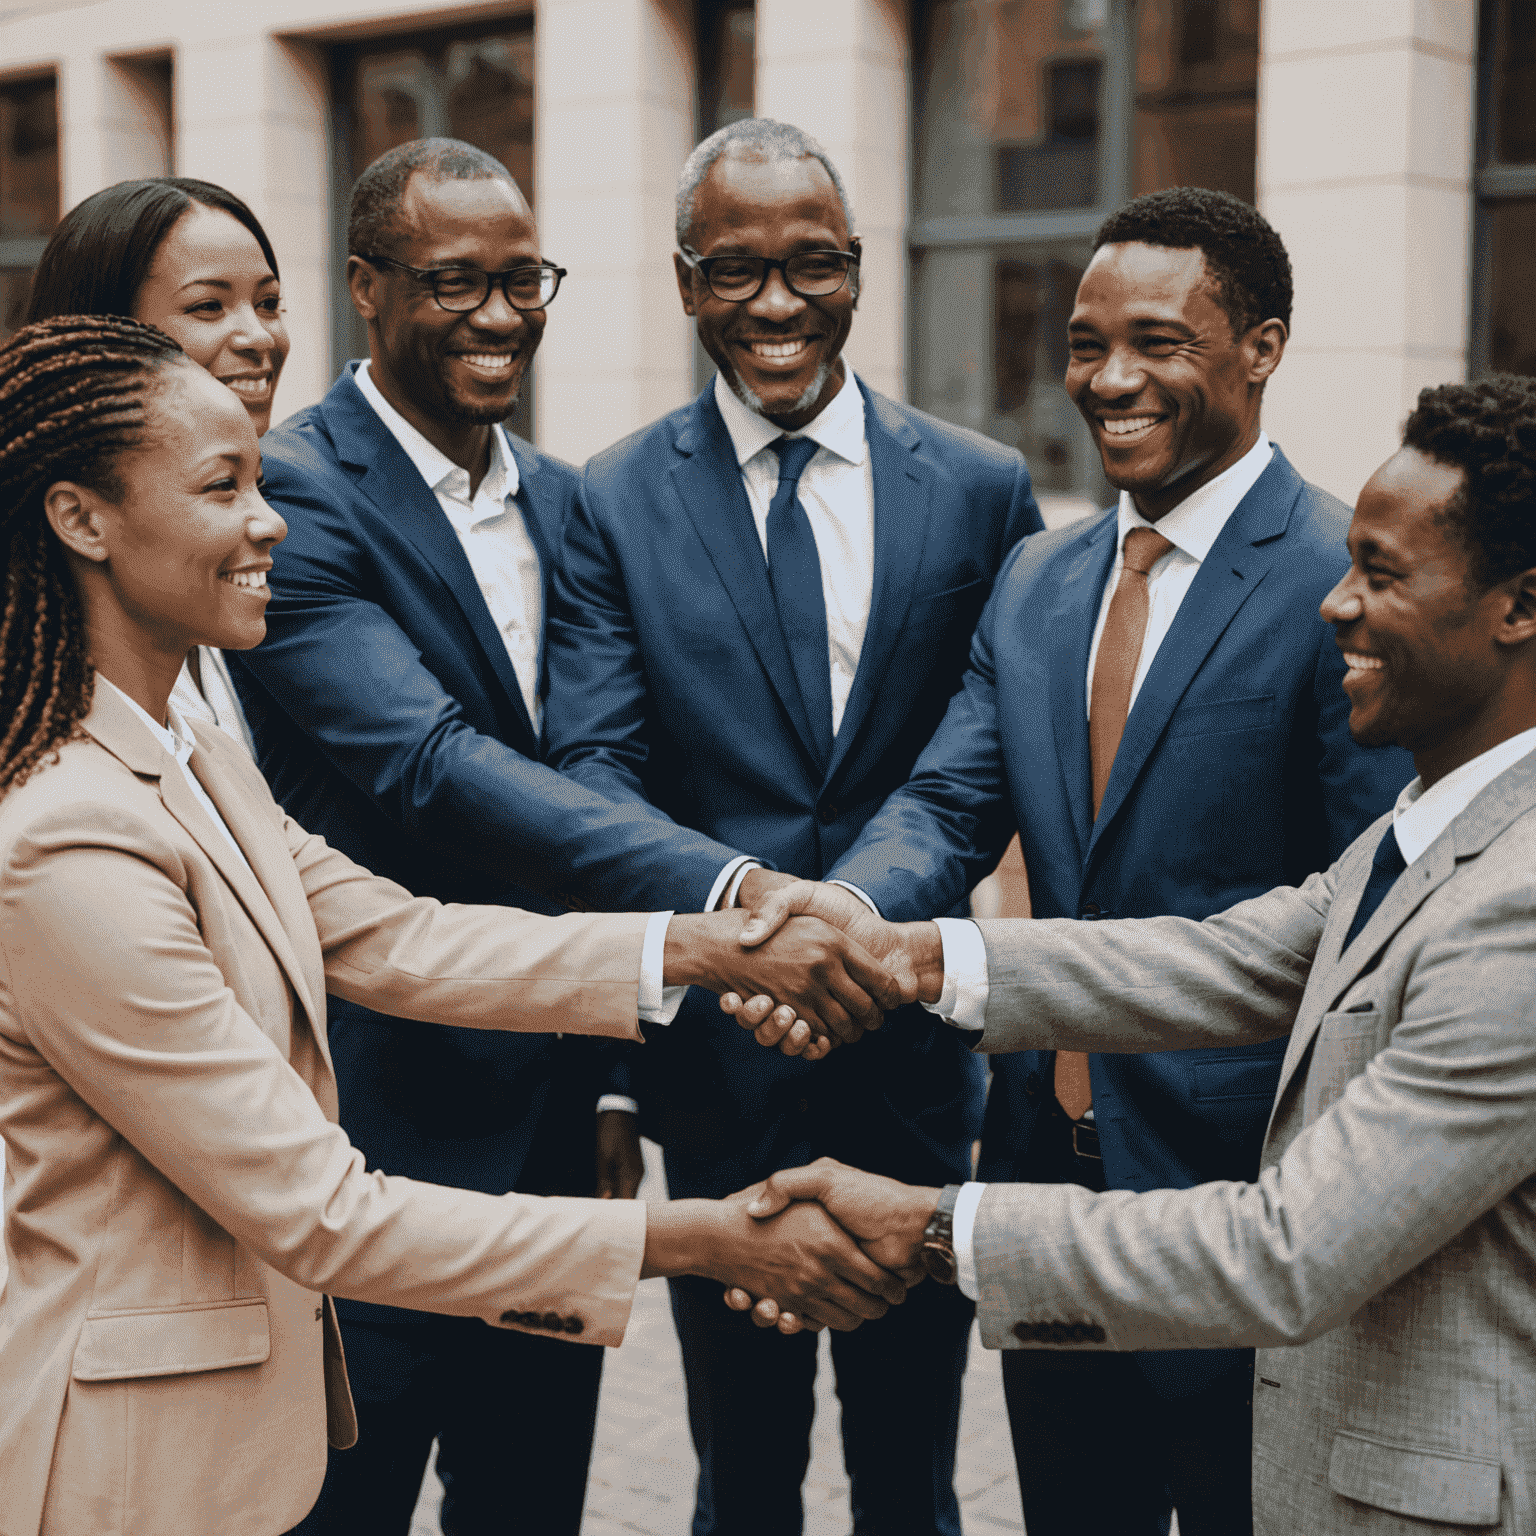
x: 390, y: 481
x: 903, y: 493
x: 1244, y: 551
x: 708, y: 483
x: 1068, y: 635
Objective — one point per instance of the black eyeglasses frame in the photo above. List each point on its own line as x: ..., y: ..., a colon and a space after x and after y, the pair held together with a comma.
x: 702, y: 264
x: 429, y: 275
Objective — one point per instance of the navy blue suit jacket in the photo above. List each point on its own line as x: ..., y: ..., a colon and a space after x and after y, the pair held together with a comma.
x: 388, y: 718
x: 1236, y: 773
x: 671, y: 685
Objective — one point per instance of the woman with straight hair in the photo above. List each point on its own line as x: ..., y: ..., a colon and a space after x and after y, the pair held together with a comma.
x: 191, y: 258
x: 180, y: 1202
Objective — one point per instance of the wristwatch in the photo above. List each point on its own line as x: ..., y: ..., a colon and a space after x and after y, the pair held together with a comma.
x: 938, y: 1250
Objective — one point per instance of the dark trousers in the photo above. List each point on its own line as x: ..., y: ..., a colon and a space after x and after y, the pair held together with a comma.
x: 513, y: 1416
x: 751, y: 1400
x: 1099, y: 1451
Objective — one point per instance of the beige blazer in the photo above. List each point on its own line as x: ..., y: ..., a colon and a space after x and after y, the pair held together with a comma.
x: 179, y: 1200
x: 1384, y: 1261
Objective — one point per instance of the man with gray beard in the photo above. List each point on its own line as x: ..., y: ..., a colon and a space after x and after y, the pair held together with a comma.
x: 764, y: 602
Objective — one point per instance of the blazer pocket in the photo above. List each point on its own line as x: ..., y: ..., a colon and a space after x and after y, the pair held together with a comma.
x: 173, y: 1341
x: 1426, y: 1485
x: 1222, y: 717
x: 1346, y: 1041
x: 1241, y: 1077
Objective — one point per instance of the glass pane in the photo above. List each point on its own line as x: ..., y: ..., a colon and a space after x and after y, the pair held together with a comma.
x: 1010, y: 111
x: 1196, y: 71
x: 727, y: 65
x: 991, y: 351
x: 29, y: 159
x: 1514, y: 84
x: 490, y: 100
x: 394, y: 101
x: 1511, y: 316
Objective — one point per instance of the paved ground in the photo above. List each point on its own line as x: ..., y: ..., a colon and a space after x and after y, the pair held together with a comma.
x: 643, y: 1466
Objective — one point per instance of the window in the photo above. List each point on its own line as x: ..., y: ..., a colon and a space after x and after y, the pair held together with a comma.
x: 1504, y: 270
x: 1036, y: 118
x: 472, y: 83
x: 29, y: 186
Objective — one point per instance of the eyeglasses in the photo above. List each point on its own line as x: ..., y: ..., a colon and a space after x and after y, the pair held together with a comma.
x: 465, y: 289
x: 810, y: 274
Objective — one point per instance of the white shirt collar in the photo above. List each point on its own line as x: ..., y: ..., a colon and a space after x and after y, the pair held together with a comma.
x: 432, y: 464
x: 173, y: 736
x: 838, y: 426
x: 1193, y: 525
x: 1421, y: 815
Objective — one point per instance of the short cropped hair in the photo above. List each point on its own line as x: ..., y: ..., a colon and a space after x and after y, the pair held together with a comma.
x: 374, y: 215
x: 751, y: 138
x: 1487, y: 430
x: 1243, y: 254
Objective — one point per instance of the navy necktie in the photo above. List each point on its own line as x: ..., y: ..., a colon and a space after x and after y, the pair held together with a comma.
x: 1385, y: 868
x: 794, y: 573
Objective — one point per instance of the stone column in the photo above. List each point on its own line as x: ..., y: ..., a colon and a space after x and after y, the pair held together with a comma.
x: 841, y: 72
x: 1365, y: 168
x: 613, y: 125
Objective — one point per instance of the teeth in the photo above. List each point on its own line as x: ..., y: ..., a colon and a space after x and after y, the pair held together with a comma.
x: 1362, y: 663
x: 496, y: 362
x: 255, y: 388
x: 1129, y: 425
x: 779, y: 349
x: 245, y: 578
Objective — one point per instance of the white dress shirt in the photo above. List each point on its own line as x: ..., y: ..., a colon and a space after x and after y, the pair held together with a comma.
x: 490, y: 528
x: 1418, y: 819
x: 210, y: 696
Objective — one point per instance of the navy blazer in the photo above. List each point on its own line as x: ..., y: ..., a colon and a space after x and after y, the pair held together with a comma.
x: 388, y: 718
x: 671, y: 685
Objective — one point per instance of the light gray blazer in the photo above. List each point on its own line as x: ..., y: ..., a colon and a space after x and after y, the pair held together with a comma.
x: 1384, y: 1262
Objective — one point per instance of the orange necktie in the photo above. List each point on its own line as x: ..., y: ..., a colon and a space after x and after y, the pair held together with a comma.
x: 1114, y: 670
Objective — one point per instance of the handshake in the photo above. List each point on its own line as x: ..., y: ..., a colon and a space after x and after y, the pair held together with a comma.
x: 811, y: 966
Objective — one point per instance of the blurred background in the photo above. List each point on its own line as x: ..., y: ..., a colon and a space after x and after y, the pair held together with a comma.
x: 1392, y: 142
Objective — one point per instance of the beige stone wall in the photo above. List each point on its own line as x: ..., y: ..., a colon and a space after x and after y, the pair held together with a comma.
x: 1365, y: 155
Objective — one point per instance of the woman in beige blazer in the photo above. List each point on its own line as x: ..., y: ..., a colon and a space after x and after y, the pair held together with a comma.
x: 179, y: 1201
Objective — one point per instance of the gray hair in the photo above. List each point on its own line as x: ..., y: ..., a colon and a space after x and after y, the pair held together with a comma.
x: 753, y: 138
x: 379, y: 191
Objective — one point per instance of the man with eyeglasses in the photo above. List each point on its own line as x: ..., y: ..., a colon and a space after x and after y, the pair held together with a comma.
x: 396, y: 705
x: 764, y: 602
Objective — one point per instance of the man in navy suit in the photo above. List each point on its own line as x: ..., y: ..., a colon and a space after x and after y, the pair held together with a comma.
x: 396, y: 708
x: 763, y: 606
x: 1154, y: 702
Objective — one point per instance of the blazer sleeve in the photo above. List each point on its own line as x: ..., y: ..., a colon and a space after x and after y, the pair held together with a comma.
x: 340, y: 664
x: 113, y: 985
x: 946, y: 828
x: 1435, y: 1130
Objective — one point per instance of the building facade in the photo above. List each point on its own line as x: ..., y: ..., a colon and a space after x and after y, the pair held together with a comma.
x: 1392, y: 142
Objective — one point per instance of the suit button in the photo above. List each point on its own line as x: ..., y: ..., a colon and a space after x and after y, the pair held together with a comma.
x: 1032, y: 1086
x: 553, y: 1321
x: 574, y: 1325
x: 1091, y: 909
x: 827, y: 815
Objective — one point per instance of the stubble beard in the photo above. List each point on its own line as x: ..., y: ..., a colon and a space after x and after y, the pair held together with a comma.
x: 754, y: 402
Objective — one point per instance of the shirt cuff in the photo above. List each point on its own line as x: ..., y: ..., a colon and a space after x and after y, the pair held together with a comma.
x: 658, y: 1004
x: 857, y: 892
x: 722, y: 894
x: 963, y: 1002
x: 964, y: 1227
x: 619, y: 1101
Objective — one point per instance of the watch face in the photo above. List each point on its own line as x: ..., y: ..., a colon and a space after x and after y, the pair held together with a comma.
x: 939, y: 1261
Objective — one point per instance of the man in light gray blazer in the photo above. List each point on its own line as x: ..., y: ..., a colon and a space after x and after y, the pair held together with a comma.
x: 1384, y: 1262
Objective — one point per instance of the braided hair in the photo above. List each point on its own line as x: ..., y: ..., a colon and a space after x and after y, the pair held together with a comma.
x: 71, y: 400
x: 1487, y: 429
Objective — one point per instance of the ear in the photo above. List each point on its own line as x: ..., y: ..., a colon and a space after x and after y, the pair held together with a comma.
x: 1518, y: 626
x: 1266, y: 346
x: 362, y: 284
x: 74, y: 512
x: 684, y: 283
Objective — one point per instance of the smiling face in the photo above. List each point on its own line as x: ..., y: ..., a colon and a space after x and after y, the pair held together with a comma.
x: 1425, y: 665
x: 1171, y: 396
x: 780, y: 353
x: 210, y: 287
x: 446, y: 371
x: 181, y: 557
